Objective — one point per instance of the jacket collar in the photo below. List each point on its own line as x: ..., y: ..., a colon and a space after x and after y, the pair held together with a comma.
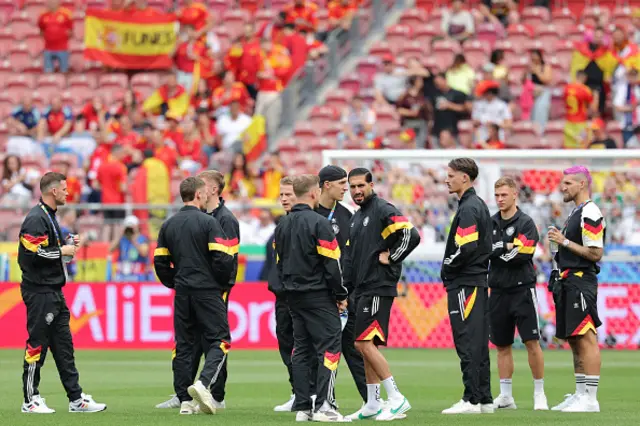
x: 467, y: 194
x: 497, y: 217
x: 49, y: 209
x: 220, y: 206
x: 189, y: 208
x: 300, y: 207
x: 368, y: 201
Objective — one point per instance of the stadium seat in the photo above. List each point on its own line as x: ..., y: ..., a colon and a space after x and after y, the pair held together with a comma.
x: 431, y: 63
x: 35, y: 45
x: 21, y: 26
x: 351, y: 82
x: 622, y: 17
x: 398, y: 34
x: 338, y: 99
x: 330, y: 130
x: 381, y: 48
x: 264, y: 16
x: 576, y: 33
x: 507, y: 47
x: 592, y: 15
x: 321, y: 144
x: 425, y: 33
x: 535, y: 16
x: 412, y: 49
x: 558, y: 108
x: 88, y: 81
x: 563, y: 18
x: 19, y: 57
x: 445, y: 50
x: 145, y: 81
x: 476, y: 53
x: 549, y: 34
x: 324, y: 112
x: 524, y: 135
x: 465, y: 132
x: 413, y: 17
x: 488, y: 32
x: 518, y: 66
x: 367, y: 68
x: 234, y: 20
x: 614, y: 129
x: 531, y: 45
x: 113, y: 82
x: 303, y: 133
x: 51, y: 80
x: 518, y: 35
x: 560, y: 72
x: 435, y: 17
x: 367, y: 95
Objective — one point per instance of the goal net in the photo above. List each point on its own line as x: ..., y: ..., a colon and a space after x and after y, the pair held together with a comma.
x: 413, y: 180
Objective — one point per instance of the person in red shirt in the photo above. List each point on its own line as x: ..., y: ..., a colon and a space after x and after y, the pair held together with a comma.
x: 493, y: 140
x: 56, y: 121
x: 112, y: 182
x: 302, y: 14
x: 230, y: 91
x: 130, y: 141
x: 341, y: 13
x: 162, y: 151
x: 578, y: 100
x: 141, y: 8
x: 201, y: 100
x: 197, y: 15
x: 74, y: 187
x: 315, y: 48
x: 243, y: 59
x: 274, y: 69
x: 296, y: 43
x: 56, y: 26
x: 94, y: 114
x: 131, y: 103
x: 173, y: 132
x: 273, y: 30
x: 186, y: 56
x: 207, y: 132
x: 190, y: 156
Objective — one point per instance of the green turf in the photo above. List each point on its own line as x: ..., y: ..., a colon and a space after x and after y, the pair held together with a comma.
x: 132, y: 382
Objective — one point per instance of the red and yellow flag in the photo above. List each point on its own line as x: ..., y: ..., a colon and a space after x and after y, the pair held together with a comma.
x: 130, y: 41
x: 255, y: 139
x: 178, y: 102
x: 603, y: 57
x: 151, y: 185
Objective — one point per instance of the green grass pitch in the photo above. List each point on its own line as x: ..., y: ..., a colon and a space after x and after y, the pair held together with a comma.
x: 132, y: 382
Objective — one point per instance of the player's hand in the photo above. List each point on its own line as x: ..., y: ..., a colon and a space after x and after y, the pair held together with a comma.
x: 68, y: 250
x: 555, y: 235
x: 76, y: 240
x: 383, y: 257
x: 509, y: 246
x: 342, y: 305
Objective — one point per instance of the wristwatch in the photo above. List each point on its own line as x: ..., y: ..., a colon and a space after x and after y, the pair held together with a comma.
x: 565, y: 243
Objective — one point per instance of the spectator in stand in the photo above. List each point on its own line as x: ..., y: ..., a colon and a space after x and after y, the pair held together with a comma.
x: 415, y: 68
x: 130, y: 103
x: 190, y: 149
x: 389, y: 83
x: 598, y: 137
x: 626, y: 55
x: 540, y: 75
x: 259, y: 229
x: 243, y: 58
x: 460, y: 76
x: 272, y: 171
x: 500, y: 70
x: 490, y: 109
x: 201, y: 100
x: 132, y: 263
x: 315, y: 48
x: 24, y: 119
x: 56, y: 27
x: 488, y: 77
x: 630, y: 229
x: 415, y: 111
x: 130, y: 141
x: 173, y: 133
x: 230, y: 128
x: 112, y: 182
x: 302, y: 13
x: 170, y: 98
x: 56, y: 122
x: 450, y: 106
x: 207, y: 130
x: 74, y: 186
x: 497, y: 11
x: 493, y: 139
x: 118, y: 4
x: 296, y: 44
x: 626, y: 104
x: 274, y: 69
x: 341, y: 13
x: 358, y: 122
x: 196, y: 15
x: 141, y: 8
x: 163, y: 151
x: 578, y: 100
x: 230, y: 91
x: 17, y: 182
x: 273, y: 30
x: 636, y: 25
x: 187, y: 54
x: 239, y: 181
x: 634, y: 140
x: 457, y: 22
x: 94, y: 115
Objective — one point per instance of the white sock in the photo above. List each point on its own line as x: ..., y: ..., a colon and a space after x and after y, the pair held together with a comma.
x: 581, y: 383
x: 505, y: 387
x: 373, y: 396
x: 538, y: 386
x: 592, y: 387
x: 391, y: 388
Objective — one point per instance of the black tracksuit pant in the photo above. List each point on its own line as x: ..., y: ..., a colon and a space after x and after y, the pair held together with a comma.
x: 48, y: 327
x: 469, y: 315
x: 316, y: 334
x: 218, y: 389
x: 351, y: 354
x: 284, y: 334
x: 199, y: 316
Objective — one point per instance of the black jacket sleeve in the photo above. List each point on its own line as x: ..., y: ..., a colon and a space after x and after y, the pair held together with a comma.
x: 466, y: 238
x: 35, y: 238
x: 222, y: 251
x: 329, y: 250
x: 277, y: 249
x: 524, y: 245
x: 347, y: 267
x: 162, y: 260
x: 400, y: 236
x: 231, y: 229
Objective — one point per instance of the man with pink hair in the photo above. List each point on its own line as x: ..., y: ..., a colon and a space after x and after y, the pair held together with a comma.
x: 577, y: 249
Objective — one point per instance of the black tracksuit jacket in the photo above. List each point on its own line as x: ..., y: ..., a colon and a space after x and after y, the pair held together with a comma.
x: 466, y: 255
x: 231, y: 229
x: 201, y: 254
x: 376, y: 227
x: 513, y: 268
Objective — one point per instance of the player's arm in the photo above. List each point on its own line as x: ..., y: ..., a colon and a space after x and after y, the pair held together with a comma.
x: 277, y: 249
x: 162, y: 261
x: 231, y: 229
x: 222, y: 250
x: 347, y: 267
x: 523, y: 247
x: 467, y: 236
x: 35, y: 238
x: 399, y: 235
x: 329, y: 250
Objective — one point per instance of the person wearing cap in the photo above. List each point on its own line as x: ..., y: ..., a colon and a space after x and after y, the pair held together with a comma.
x: 599, y: 139
x: 390, y: 83
x: 132, y: 263
x: 333, y: 186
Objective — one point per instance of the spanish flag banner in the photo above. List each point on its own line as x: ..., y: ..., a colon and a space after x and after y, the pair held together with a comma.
x: 602, y: 57
x: 255, y: 138
x: 176, y: 104
x: 122, y: 40
x: 151, y: 186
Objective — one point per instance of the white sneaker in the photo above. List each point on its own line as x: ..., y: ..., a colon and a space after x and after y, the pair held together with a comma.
x: 487, y: 408
x: 37, y: 405
x: 568, y: 400
x: 174, y: 402
x: 328, y: 414
x: 504, y: 402
x: 86, y: 404
x: 365, y: 413
x: 583, y: 404
x: 202, y: 396
x: 287, y: 406
x: 463, y: 407
x: 385, y: 406
x: 394, y: 409
x: 189, y: 407
x: 219, y: 405
x: 303, y: 416
x: 540, y: 402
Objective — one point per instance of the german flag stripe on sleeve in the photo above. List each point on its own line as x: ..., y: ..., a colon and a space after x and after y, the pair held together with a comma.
x: 593, y: 229
x: 161, y: 251
x: 466, y: 235
x: 228, y: 246
x: 32, y: 243
x: 329, y: 249
x: 397, y: 223
x: 524, y: 245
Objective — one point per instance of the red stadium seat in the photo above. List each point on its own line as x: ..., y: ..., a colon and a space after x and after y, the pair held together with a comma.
x: 435, y: 17
x: 425, y: 33
x: 560, y: 72
x: 558, y: 105
x: 351, y: 82
x: 217, y: 7
x: 113, y: 82
x: 524, y: 136
x: 506, y: 46
x: 549, y: 34
x: 322, y: 15
x: 20, y: 57
x: 22, y: 81
x: 591, y: 16
x: 323, y: 143
x: 476, y: 53
x: 413, y: 49
x: 82, y: 80
x: 323, y: 111
x: 367, y: 68
x: 6, y: 70
x: 338, y: 99
x: 21, y: 27
x: 145, y: 81
x: 622, y: 17
x: 35, y: 66
x: 487, y: 32
x: 35, y: 45
x: 518, y: 35
x: 413, y: 17
x: 576, y: 33
x: 398, y: 34
x: 381, y: 48
x: 330, y: 130
x: 535, y: 16
x: 445, y: 50
x: 264, y: 16
x: 234, y: 20
x: 465, y: 132
x: 78, y: 29
x: 563, y: 18
x: 614, y: 128
x: 57, y: 81
x: 431, y: 63
x: 532, y: 45
x: 368, y: 96
x: 564, y: 52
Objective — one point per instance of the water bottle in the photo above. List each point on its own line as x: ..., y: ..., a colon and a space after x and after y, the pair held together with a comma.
x: 68, y: 242
x: 553, y: 246
x: 344, y: 316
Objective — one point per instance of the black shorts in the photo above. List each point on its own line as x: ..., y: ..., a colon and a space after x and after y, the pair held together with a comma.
x: 114, y: 214
x: 508, y: 310
x: 577, y: 306
x: 372, y: 318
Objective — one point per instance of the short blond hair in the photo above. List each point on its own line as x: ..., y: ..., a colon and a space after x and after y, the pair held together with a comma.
x: 304, y: 183
x: 506, y: 181
x: 215, y: 177
x: 287, y: 180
